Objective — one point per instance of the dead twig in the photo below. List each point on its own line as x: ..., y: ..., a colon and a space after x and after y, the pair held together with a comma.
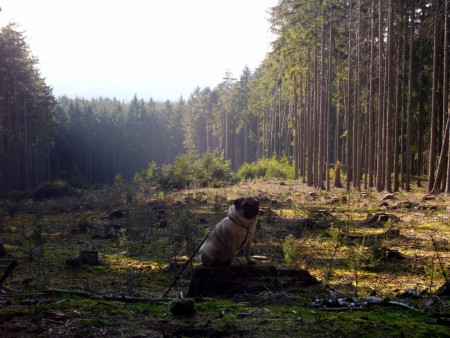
x: 436, y: 251
x: 126, y: 299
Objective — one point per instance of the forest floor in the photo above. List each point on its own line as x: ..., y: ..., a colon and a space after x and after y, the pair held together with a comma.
x: 357, y: 244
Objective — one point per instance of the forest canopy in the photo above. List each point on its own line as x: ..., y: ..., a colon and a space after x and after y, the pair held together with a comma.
x: 363, y: 83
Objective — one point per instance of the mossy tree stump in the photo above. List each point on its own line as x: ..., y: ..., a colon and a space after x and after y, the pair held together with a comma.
x: 222, y: 281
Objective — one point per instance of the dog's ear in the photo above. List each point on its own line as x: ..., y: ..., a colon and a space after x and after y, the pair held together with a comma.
x: 257, y: 199
x: 238, y: 202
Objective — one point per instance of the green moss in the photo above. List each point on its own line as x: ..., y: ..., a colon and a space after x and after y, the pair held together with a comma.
x: 383, y: 322
x: 220, y: 306
x: 97, y: 322
x: 227, y: 324
x: 147, y: 308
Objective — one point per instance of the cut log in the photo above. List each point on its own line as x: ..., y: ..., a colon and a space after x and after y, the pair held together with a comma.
x: 222, y: 281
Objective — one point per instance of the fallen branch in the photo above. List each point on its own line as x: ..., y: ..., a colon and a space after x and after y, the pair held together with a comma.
x: 342, y: 309
x: 127, y: 299
x: 406, y: 306
x: 8, y: 271
x: 362, y: 304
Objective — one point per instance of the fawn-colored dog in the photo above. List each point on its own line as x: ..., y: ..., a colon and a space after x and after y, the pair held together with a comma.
x: 232, y: 233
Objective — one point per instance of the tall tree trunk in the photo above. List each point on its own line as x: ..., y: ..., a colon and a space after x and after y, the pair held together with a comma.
x: 397, y: 122
x: 303, y: 132
x: 445, y: 87
x: 321, y: 99
x: 371, y: 136
x: 329, y: 98
x: 434, y: 96
x: 357, y: 113
x: 409, y: 104
x: 350, y: 129
x: 389, y: 90
x: 442, y: 162
x: 337, y: 133
x: 296, y: 131
x: 309, y: 122
x: 380, y: 114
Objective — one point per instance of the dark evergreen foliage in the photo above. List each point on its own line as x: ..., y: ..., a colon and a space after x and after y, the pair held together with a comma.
x: 26, y: 115
x: 362, y: 82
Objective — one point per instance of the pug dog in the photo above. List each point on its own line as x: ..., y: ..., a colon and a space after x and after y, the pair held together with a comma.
x: 232, y: 233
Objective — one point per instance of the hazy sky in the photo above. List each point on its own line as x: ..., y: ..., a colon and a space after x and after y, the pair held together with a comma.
x: 153, y: 48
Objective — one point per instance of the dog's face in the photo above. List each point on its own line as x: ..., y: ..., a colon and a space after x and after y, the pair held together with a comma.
x: 248, y: 206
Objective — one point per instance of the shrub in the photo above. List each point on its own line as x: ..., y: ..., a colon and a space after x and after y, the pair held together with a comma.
x: 15, y: 195
x: 187, y: 170
x: 118, y: 179
x: 50, y: 190
x: 267, y: 168
x: 246, y: 172
x: 150, y: 175
x: 183, y: 171
x: 292, y: 251
x: 214, y: 170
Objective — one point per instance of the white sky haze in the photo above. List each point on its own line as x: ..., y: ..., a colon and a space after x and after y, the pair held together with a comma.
x: 153, y: 48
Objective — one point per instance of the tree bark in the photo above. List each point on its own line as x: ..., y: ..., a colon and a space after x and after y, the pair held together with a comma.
x: 409, y: 104
x: 433, y: 119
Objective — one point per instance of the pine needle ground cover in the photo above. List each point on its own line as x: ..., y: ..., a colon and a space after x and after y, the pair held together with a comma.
x: 357, y: 244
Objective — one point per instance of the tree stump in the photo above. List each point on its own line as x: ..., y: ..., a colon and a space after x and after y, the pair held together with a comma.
x: 89, y: 257
x: 223, y: 280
